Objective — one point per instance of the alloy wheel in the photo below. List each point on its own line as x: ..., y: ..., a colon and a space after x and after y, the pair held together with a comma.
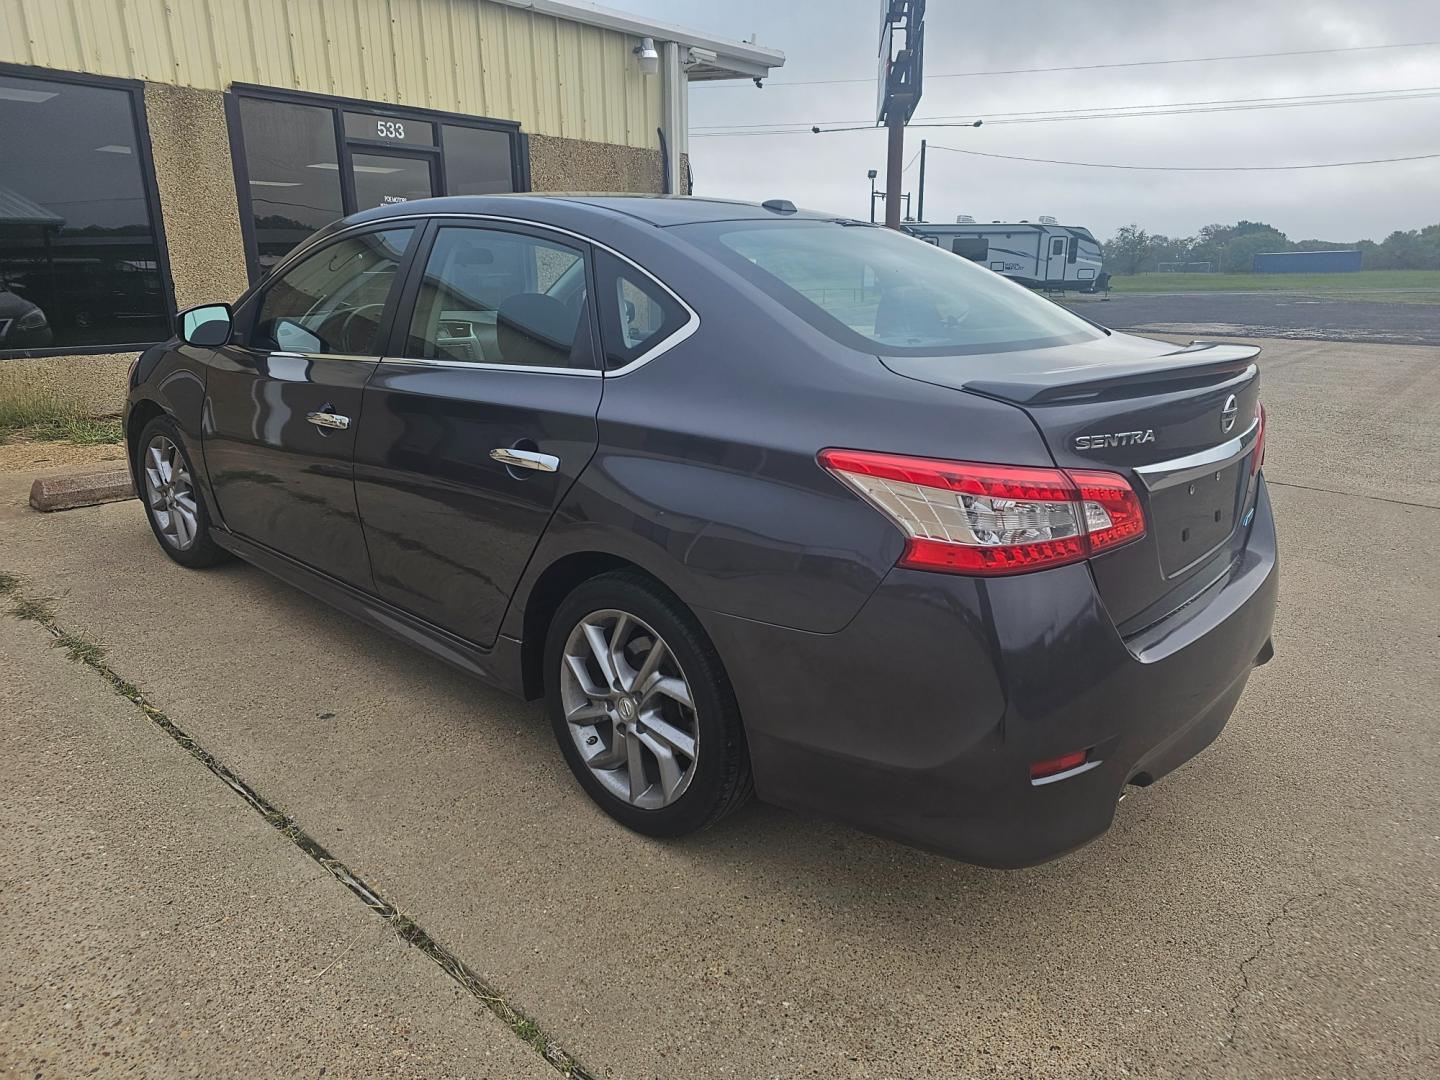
x: 170, y: 493
x: 629, y: 708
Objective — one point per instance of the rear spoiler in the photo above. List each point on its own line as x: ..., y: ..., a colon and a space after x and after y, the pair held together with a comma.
x: 1199, y: 361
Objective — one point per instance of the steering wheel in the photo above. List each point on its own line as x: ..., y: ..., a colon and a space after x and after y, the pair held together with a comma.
x: 349, y: 322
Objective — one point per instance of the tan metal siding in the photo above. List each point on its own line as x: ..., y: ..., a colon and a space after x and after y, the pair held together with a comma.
x: 468, y: 56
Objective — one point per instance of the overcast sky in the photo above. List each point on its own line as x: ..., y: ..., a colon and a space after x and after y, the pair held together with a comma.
x: 837, y: 39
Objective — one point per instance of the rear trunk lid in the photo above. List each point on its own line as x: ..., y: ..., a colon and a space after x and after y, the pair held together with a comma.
x: 1178, y: 422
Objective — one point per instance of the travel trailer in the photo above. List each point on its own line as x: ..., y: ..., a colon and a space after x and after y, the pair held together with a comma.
x: 1041, y: 254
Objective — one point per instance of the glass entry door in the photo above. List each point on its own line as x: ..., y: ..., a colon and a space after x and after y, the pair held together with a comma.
x: 386, y: 177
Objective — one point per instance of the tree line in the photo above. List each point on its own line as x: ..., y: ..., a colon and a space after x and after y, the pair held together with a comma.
x: 1231, y: 249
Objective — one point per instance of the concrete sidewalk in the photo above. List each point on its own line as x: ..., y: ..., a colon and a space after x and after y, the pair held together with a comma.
x: 1269, y: 910
x: 156, y: 926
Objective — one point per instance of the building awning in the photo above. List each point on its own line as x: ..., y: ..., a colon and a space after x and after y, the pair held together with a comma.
x: 16, y: 209
x: 707, y: 58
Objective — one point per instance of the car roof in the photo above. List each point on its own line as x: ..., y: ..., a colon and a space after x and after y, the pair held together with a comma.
x: 658, y: 210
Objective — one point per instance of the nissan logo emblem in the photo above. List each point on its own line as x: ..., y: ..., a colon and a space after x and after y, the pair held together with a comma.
x: 1228, y: 414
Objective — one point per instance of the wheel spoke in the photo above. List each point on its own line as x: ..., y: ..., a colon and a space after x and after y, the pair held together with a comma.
x: 667, y: 731
x: 651, y: 664
x: 613, y: 756
x: 581, y: 671
x: 636, y: 764
x: 618, y: 633
x: 586, y: 713
x: 600, y: 649
x: 671, y: 774
x: 184, y: 527
x: 672, y: 688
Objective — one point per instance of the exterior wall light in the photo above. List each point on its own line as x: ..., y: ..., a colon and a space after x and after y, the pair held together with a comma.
x: 649, y: 58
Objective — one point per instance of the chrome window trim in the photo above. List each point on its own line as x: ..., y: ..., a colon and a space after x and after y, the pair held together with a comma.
x: 412, y: 361
x: 1164, y: 474
x: 677, y: 336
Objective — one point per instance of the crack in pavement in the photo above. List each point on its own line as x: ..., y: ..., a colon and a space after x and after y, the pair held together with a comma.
x: 92, y: 655
x: 1228, y: 1039
x: 1351, y: 494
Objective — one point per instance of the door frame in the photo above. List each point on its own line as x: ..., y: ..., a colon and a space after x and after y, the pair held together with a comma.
x: 350, y: 147
x: 339, y: 106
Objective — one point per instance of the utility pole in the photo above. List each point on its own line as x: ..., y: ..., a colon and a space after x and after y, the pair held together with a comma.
x: 920, y: 208
x: 895, y: 122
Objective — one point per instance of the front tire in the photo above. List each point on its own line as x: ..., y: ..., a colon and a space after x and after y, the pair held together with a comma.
x: 642, y: 708
x: 170, y: 490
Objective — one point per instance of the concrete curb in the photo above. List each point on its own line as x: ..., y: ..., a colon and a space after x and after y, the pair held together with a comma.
x: 87, y: 488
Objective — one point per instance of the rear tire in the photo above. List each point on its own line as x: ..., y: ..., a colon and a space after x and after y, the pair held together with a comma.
x: 169, y: 488
x: 642, y: 708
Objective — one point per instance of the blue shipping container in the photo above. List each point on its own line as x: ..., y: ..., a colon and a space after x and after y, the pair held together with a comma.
x: 1307, y: 262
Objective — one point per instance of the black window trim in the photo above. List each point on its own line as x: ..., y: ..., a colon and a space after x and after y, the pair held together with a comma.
x: 247, y: 314
x: 339, y: 106
x: 409, y: 292
x: 136, y: 89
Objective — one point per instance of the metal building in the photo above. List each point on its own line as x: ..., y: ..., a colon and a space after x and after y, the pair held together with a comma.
x: 158, y: 154
x: 1306, y: 262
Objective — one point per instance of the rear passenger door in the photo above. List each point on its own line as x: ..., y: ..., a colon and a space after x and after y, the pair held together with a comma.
x: 478, y: 419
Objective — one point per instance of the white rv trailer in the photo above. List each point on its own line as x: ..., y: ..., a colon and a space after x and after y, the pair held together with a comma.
x: 1041, y: 254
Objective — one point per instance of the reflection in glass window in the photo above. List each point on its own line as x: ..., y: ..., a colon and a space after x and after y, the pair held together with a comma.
x: 79, y: 263
x: 293, y: 165
x: 492, y: 297
x: 477, y: 161
x: 333, y: 301
x: 639, y: 315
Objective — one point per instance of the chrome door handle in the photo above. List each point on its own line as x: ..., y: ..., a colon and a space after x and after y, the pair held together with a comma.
x: 525, y: 459
x: 321, y: 418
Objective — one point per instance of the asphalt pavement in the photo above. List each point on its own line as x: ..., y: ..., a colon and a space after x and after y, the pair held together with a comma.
x: 1271, y: 909
x: 1268, y: 314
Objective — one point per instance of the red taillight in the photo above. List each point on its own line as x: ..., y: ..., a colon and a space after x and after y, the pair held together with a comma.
x: 1056, y: 765
x: 1257, y: 457
x: 971, y: 518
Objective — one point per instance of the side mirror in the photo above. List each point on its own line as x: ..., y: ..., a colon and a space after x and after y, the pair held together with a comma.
x: 208, y: 326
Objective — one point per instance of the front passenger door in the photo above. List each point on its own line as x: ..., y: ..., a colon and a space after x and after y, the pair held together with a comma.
x: 479, y: 422
x: 283, y: 401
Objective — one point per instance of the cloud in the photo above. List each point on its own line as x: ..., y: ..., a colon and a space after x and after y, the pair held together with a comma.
x: 837, y: 40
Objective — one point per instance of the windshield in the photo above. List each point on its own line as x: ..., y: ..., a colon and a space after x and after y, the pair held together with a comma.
x: 882, y: 291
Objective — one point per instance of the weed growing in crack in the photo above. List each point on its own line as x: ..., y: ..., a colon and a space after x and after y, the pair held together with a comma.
x: 79, y: 649
x: 39, y: 609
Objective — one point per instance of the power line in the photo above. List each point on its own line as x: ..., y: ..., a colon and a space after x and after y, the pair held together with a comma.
x: 910, y: 162
x: 1188, y: 168
x: 1092, y: 67
x: 1120, y: 112
x: 998, y: 116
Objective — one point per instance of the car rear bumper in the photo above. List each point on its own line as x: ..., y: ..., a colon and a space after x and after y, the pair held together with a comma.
x: 920, y: 719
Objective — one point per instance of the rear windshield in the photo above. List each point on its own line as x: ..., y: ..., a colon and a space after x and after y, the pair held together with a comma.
x: 882, y: 291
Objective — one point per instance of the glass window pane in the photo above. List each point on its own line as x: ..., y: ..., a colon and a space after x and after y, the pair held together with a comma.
x: 477, y: 161
x: 390, y: 129
x: 333, y: 301
x: 493, y: 297
x: 869, y: 287
x: 79, y: 262
x: 291, y: 156
x: 386, y: 179
x: 638, y: 316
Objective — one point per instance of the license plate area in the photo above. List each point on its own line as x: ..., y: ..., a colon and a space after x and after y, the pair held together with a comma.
x: 1192, y: 519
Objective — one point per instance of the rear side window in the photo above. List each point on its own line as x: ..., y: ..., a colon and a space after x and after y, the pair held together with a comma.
x: 636, y: 314
x: 334, y: 300
x: 878, y: 290
x: 489, y: 296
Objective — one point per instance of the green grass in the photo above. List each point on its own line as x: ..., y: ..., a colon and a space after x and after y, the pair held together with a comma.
x: 50, y: 420
x: 1391, y: 286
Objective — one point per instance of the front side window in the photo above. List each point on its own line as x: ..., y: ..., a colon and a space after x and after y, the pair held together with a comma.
x: 334, y: 300
x: 489, y: 296
x: 877, y: 290
x: 79, y: 259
